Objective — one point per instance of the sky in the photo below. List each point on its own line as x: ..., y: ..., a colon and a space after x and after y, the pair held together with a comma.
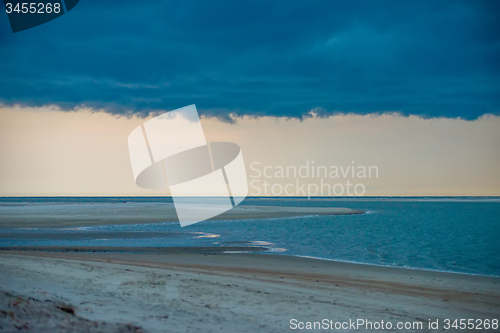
x: 48, y: 152
x: 426, y: 58
x: 412, y: 87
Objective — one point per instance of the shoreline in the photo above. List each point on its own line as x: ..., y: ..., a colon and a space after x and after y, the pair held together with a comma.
x: 399, y: 267
x: 100, y: 214
x: 215, y: 258
x: 243, y: 250
x: 193, y: 292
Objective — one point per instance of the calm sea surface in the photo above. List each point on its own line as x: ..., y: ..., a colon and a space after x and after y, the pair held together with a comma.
x: 445, y: 234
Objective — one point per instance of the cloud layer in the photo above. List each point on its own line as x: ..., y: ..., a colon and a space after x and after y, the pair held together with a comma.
x: 288, y: 58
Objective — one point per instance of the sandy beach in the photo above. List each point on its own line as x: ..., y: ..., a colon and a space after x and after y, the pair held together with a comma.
x: 87, y: 214
x: 182, y: 291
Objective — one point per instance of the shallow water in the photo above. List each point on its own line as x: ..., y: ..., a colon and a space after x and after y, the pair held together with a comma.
x: 445, y: 234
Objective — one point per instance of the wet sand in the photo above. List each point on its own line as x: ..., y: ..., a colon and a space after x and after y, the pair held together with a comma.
x: 214, y: 292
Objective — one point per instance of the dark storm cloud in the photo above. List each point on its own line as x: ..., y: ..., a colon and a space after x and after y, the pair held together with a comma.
x: 426, y: 58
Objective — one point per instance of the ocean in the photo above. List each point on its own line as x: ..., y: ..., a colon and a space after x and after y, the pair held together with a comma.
x: 454, y: 234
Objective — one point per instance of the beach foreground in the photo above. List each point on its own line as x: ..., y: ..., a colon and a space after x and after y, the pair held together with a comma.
x: 185, y: 292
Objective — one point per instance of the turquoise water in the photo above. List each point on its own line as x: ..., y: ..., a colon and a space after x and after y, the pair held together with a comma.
x: 445, y: 234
